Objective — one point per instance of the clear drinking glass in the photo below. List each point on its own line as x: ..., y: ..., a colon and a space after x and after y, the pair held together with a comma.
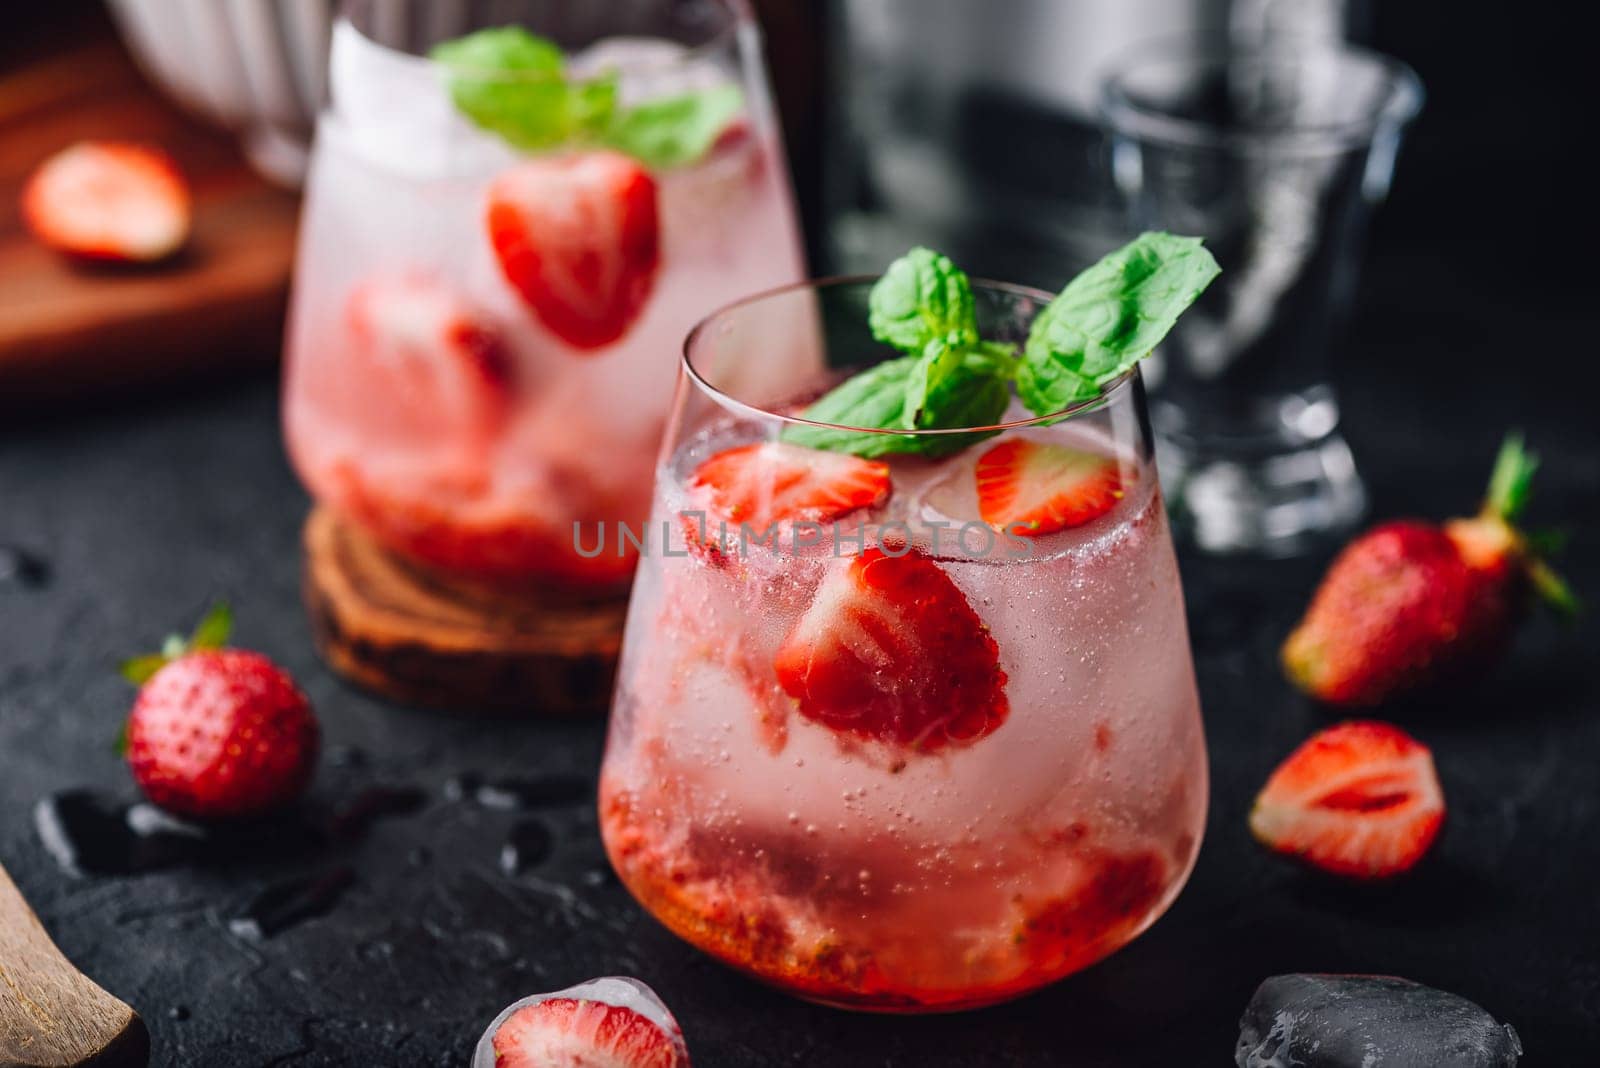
x: 890, y: 758
x: 464, y: 424
x: 1277, y: 158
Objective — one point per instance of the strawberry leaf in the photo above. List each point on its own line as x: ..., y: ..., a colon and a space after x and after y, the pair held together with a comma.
x: 138, y: 670
x: 1553, y: 589
x: 1511, y: 481
x: 213, y: 629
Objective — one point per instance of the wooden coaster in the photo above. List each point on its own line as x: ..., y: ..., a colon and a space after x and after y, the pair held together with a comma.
x: 406, y: 635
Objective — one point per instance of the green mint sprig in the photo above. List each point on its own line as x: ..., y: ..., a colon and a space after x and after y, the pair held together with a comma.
x: 949, y: 378
x: 1107, y: 319
x: 514, y: 84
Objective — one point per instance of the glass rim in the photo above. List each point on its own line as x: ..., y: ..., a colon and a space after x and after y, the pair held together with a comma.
x: 1122, y: 113
x: 742, y: 19
x: 1112, y: 389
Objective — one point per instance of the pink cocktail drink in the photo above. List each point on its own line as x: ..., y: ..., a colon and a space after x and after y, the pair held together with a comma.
x: 903, y: 755
x: 475, y: 349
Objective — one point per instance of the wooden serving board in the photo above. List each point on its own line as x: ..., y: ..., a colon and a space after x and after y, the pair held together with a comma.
x: 67, y: 329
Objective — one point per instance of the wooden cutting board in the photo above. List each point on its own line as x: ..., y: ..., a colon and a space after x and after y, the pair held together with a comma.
x: 67, y: 330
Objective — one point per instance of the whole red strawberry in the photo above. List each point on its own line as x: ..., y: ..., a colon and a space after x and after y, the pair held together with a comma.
x: 216, y: 733
x: 1411, y: 604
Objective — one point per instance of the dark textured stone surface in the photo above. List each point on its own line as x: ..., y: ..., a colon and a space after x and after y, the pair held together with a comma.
x: 147, y: 515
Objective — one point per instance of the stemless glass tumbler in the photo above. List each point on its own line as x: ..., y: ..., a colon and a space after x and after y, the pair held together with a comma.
x: 480, y: 307
x: 1276, y: 158
x: 865, y: 746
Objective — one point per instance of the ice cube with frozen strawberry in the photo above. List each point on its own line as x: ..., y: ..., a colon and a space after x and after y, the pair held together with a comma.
x: 612, y: 1022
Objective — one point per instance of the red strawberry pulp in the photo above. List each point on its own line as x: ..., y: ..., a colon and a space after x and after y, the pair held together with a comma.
x: 864, y: 922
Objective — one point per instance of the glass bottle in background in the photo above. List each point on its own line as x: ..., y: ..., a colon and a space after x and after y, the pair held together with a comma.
x: 1276, y: 157
x: 891, y: 758
x: 474, y: 355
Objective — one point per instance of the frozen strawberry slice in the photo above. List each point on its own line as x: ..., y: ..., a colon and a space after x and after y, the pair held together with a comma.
x: 769, y: 482
x: 109, y: 200
x: 578, y: 237
x: 1032, y: 488
x: 891, y: 650
x: 604, y: 1023
x: 435, y: 363
x: 1360, y: 799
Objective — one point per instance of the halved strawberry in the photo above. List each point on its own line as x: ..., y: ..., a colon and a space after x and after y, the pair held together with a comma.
x: 437, y: 368
x: 578, y: 236
x: 1032, y: 488
x: 1360, y: 799
x: 770, y: 482
x: 891, y: 650
x: 109, y: 201
x: 566, y: 1032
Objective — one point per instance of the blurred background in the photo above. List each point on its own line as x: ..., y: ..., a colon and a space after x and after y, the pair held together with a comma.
x: 979, y: 129
x: 972, y: 127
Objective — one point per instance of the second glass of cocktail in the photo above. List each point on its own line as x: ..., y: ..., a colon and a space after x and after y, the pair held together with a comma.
x: 512, y: 209
x: 906, y: 718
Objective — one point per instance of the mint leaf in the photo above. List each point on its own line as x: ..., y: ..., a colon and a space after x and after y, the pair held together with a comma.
x: 874, y: 398
x: 1110, y: 317
x: 675, y: 130
x: 511, y: 83
x: 920, y: 298
x: 942, y: 358
x: 922, y: 305
x: 972, y: 394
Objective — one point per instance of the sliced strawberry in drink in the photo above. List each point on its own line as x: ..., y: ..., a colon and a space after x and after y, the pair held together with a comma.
x: 1360, y: 799
x: 578, y: 237
x: 770, y: 482
x: 1032, y: 488
x: 891, y: 650
x: 430, y: 362
x: 624, y: 1025
x: 110, y: 201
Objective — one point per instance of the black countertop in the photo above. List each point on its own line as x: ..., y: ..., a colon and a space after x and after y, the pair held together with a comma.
x: 145, y: 514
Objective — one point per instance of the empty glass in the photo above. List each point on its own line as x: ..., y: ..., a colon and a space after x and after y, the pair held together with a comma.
x: 1277, y: 159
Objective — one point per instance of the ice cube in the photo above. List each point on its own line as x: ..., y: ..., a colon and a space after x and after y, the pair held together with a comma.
x: 620, y: 991
x: 394, y: 108
x: 649, y: 68
x: 1368, y: 1021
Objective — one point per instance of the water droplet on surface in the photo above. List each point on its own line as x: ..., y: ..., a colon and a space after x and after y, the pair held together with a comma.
x: 528, y: 845
x: 23, y: 567
x: 284, y: 904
